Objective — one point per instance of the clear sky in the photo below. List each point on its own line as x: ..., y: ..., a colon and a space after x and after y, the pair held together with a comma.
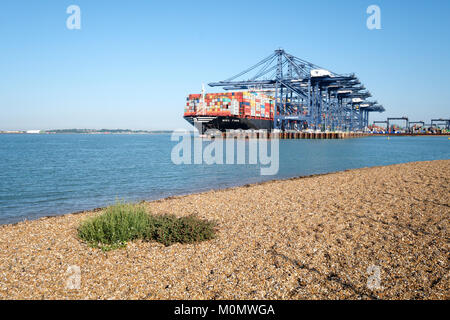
x: 132, y: 63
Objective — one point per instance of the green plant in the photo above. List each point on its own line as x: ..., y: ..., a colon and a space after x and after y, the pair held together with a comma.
x: 168, y: 229
x: 117, y: 225
x: 122, y: 222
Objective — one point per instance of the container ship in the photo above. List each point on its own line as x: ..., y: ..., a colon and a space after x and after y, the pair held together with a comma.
x: 230, y: 110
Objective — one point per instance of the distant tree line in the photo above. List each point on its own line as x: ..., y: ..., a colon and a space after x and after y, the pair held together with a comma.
x: 105, y: 131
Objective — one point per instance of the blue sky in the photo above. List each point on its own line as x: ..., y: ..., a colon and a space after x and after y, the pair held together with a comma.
x: 133, y: 62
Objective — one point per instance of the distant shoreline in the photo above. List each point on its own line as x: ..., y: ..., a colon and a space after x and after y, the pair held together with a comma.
x: 143, y: 132
x: 89, y: 132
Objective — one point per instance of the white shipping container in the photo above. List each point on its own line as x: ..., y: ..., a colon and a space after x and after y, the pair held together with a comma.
x: 235, y: 107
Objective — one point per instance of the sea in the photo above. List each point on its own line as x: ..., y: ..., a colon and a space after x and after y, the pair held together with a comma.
x: 53, y: 174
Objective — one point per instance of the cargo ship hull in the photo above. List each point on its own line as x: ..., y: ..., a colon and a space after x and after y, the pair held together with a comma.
x: 223, y: 123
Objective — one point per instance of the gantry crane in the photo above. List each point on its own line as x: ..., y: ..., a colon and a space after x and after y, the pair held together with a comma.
x: 446, y: 121
x: 416, y: 122
x: 385, y: 122
x: 307, y: 95
x: 400, y: 118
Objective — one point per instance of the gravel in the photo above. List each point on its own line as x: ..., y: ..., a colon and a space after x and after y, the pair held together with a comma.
x: 371, y: 233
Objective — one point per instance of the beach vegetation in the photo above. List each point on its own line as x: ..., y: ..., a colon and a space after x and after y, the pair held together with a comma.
x: 123, y: 222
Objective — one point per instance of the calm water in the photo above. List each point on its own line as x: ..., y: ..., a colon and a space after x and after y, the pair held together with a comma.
x: 43, y: 175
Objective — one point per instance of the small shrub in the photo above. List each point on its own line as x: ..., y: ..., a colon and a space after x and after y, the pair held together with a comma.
x: 168, y: 229
x: 121, y: 223
x: 118, y: 224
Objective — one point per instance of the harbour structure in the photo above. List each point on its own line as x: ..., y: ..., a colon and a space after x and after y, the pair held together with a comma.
x: 440, y: 121
x: 415, y: 123
x: 300, y: 95
x: 439, y: 125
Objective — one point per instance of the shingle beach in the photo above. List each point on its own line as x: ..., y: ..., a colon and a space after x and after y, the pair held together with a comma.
x: 371, y: 233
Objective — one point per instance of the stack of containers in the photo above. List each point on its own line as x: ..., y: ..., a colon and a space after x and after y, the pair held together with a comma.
x: 243, y: 104
x: 253, y: 103
x: 192, y: 103
x: 246, y: 104
x: 258, y: 106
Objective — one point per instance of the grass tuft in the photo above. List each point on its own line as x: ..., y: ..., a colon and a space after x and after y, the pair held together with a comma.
x: 117, y: 225
x: 122, y: 222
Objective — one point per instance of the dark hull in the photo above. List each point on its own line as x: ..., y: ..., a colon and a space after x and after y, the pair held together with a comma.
x: 222, y: 123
